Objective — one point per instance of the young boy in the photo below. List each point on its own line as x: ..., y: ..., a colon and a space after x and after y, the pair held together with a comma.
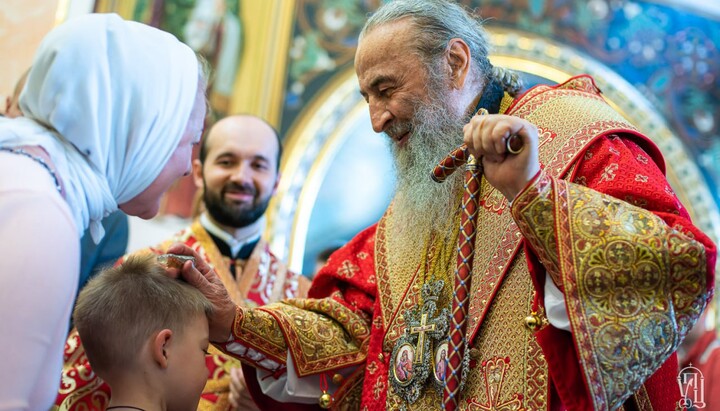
x: 146, y: 335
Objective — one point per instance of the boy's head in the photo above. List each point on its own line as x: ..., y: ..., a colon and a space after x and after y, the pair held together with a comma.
x: 133, y: 319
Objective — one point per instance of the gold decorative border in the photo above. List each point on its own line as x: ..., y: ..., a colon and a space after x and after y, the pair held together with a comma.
x: 260, y: 81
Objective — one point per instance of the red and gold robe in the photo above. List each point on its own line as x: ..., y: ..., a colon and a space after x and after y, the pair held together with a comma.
x: 264, y: 279
x: 599, y: 220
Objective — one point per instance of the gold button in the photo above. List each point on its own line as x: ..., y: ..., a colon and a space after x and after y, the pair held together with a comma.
x: 337, y: 379
x: 533, y: 322
x: 325, y: 401
x: 381, y: 357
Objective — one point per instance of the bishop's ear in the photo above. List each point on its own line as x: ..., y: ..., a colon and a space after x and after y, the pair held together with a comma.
x: 458, y: 59
x: 160, y: 347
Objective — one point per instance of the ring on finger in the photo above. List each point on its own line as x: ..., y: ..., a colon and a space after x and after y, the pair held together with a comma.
x: 508, y: 144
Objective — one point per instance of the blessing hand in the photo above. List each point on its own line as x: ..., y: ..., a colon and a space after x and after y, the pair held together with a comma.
x: 486, y: 137
x: 201, y: 276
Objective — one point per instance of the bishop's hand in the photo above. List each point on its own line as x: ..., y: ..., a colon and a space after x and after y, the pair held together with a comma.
x: 201, y: 276
x: 486, y: 137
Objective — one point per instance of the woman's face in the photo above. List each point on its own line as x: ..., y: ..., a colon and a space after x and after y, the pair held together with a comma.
x: 147, y: 203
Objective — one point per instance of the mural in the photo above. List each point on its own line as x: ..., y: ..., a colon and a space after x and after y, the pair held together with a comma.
x: 669, y: 53
x: 210, y: 27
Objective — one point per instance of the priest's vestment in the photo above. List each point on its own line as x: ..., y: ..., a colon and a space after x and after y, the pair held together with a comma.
x: 600, y: 221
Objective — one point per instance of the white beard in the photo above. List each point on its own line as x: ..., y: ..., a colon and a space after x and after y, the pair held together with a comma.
x: 422, y: 206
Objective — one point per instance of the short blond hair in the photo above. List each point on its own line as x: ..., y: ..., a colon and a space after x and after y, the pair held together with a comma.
x: 121, y: 307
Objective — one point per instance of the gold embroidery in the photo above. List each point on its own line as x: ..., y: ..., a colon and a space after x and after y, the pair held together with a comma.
x: 258, y: 328
x: 639, y: 293
x: 349, y: 395
x: 412, y: 268
x: 502, y: 334
x: 99, y: 398
x: 566, y: 130
x: 347, y: 269
x: 379, y: 388
x: 322, y: 334
x: 609, y: 172
x: 493, y: 371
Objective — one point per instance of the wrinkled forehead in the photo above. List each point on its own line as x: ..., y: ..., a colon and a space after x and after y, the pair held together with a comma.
x: 384, y: 42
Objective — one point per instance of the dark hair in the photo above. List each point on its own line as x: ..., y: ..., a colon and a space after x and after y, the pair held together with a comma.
x: 204, y: 149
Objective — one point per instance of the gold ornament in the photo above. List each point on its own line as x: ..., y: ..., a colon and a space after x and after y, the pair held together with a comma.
x: 533, y: 322
x: 325, y: 401
x: 536, y: 320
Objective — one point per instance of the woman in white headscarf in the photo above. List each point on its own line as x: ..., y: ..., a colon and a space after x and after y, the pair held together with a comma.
x: 111, y: 109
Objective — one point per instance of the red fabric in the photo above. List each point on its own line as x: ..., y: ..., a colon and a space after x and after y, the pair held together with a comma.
x: 636, y: 179
x: 349, y: 275
x: 349, y: 278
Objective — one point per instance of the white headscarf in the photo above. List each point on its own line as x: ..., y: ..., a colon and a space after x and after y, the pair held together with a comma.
x: 109, y: 100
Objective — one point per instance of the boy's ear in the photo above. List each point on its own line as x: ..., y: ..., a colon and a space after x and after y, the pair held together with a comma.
x: 160, y: 346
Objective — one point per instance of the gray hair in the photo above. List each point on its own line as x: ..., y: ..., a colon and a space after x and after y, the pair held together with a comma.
x: 437, y: 22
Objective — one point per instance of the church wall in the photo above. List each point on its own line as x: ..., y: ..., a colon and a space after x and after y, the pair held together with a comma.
x: 23, y: 23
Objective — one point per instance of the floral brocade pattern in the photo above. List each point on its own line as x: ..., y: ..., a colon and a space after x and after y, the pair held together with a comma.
x: 258, y: 329
x: 641, y: 283
x: 80, y: 388
x: 321, y: 334
x: 334, y: 337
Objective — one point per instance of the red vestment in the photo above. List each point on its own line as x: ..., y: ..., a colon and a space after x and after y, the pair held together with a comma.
x: 600, y: 221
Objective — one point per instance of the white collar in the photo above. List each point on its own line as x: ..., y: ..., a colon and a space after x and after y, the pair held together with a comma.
x: 241, y: 237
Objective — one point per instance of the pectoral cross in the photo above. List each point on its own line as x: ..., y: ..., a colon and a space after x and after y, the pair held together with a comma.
x: 423, y: 328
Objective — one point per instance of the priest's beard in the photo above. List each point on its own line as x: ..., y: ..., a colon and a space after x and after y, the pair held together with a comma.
x: 233, y: 215
x: 422, y: 206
